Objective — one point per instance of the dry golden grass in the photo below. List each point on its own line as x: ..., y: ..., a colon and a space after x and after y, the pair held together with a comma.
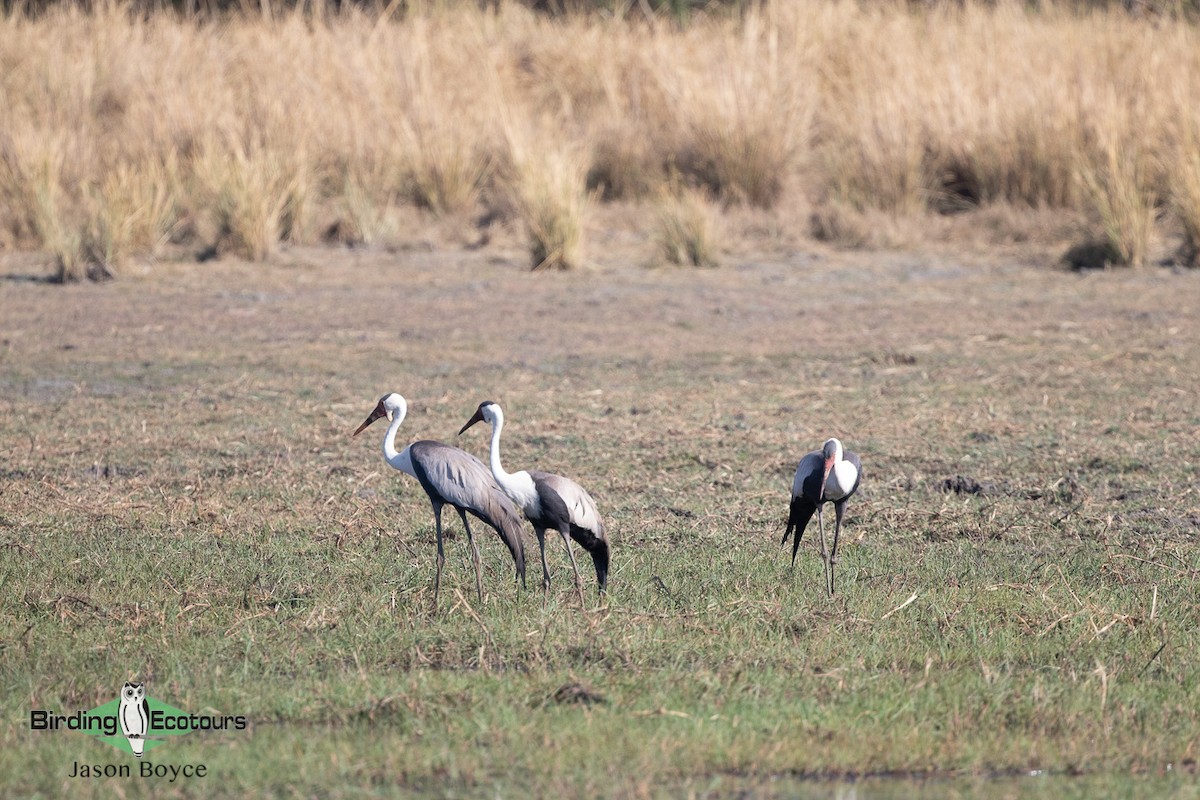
x: 256, y: 132
x: 1185, y: 193
x: 689, y: 230
x: 1118, y: 188
x: 551, y: 200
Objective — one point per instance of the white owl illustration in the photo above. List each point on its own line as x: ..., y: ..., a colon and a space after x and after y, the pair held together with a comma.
x: 135, y: 716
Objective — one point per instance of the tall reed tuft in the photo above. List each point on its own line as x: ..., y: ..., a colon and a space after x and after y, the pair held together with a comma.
x: 255, y: 192
x: 1185, y: 193
x: 552, y: 200
x: 266, y: 129
x: 1115, y: 184
x: 547, y: 184
x: 689, y: 230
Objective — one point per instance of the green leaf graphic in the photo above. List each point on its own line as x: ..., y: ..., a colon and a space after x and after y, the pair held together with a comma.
x: 174, y: 722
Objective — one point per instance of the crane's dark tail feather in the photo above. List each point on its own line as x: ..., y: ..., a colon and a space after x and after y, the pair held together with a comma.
x: 600, y: 559
x: 508, y: 525
x: 799, y: 514
x: 517, y: 550
x: 597, y: 548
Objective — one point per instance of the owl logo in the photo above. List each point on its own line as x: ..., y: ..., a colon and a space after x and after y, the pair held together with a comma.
x: 135, y: 716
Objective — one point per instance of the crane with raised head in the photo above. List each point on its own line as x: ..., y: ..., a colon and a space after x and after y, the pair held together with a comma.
x: 828, y: 475
x: 550, y: 502
x: 451, y: 476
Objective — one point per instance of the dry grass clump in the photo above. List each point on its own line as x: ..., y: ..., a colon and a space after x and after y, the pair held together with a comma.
x: 258, y: 132
x: 970, y: 105
x: 552, y: 200
x: 872, y: 146
x: 1003, y: 119
x: 441, y: 120
x: 255, y: 193
x: 1185, y: 194
x: 869, y: 228
x: 725, y: 105
x: 599, y: 81
x: 41, y: 207
x: 746, y: 112
x: 88, y: 225
x: 689, y: 231
x: 1118, y: 190
x: 547, y: 187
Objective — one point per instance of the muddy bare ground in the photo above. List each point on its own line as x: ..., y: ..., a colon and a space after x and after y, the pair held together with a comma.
x: 922, y: 357
x: 464, y: 309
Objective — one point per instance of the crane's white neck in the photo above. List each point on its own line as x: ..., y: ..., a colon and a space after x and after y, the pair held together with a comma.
x: 502, y: 477
x: 518, y: 486
x: 390, y: 454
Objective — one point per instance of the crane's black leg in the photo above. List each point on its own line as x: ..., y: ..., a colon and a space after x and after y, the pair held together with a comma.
x: 824, y: 552
x: 441, y: 556
x: 541, y: 534
x: 474, y: 555
x: 565, y: 533
x: 838, y: 510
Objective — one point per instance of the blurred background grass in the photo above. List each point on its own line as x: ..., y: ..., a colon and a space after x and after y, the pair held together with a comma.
x: 141, y: 132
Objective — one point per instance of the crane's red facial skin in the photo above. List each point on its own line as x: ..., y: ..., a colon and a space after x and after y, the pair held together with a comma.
x: 379, y: 411
x: 825, y: 475
x: 477, y: 418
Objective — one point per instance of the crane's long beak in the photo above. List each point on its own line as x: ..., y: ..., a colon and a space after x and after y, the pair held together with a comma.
x: 825, y: 477
x: 477, y: 418
x: 379, y: 411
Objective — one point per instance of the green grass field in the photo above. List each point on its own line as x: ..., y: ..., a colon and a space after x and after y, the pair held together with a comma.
x: 182, y: 503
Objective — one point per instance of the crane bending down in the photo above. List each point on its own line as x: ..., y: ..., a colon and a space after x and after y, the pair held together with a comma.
x: 826, y: 475
x: 455, y: 477
x: 549, y: 502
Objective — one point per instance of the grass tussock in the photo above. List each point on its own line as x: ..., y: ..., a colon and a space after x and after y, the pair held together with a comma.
x: 263, y: 131
x: 1118, y: 190
x: 1185, y: 196
x: 551, y: 200
x: 548, y: 189
x: 689, y: 230
x: 255, y: 194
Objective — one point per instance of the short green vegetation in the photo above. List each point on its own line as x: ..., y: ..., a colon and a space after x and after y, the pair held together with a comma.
x: 181, y: 503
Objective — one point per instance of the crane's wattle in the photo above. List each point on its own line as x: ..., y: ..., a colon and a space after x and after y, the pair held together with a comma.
x: 825, y: 478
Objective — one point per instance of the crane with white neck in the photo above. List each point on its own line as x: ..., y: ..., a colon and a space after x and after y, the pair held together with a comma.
x: 550, y: 502
x: 828, y: 475
x: 451, y: 476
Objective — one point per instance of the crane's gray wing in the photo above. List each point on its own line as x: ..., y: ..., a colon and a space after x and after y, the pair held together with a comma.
x: 580, y: 505
x: 586, y: 527
x: 454, y: 476
x: 809, y: 473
